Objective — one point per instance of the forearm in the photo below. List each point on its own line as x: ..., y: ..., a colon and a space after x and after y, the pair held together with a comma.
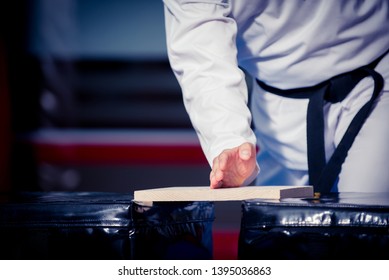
x: 202, y: 53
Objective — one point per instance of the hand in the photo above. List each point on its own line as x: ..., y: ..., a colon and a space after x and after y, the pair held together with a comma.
x: 233, y: 166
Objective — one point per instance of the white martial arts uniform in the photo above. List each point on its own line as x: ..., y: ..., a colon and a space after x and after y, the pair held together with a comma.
x: 286, y: 44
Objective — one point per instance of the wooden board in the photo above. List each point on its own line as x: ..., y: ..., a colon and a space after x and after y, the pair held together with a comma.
x: 224, y: 194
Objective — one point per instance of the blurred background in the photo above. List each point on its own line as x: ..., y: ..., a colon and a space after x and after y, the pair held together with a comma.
x: 89, y: 103
x: 94, y: 105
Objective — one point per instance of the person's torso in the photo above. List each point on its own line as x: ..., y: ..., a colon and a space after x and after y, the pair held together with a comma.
x: 298, y: 43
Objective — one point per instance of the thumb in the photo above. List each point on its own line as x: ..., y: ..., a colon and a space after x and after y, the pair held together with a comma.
x: 245, y: 151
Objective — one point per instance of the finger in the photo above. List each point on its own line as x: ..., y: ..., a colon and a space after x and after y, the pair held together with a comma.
x: 214, y: 182
x: 223, y: 161
x: 211, y: 175
x: 219, y: 184
x: 216, y: 174
x: 245, y: 151
x: 217, y: 177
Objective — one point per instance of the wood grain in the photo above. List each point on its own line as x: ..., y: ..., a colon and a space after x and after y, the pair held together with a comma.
x: 204, y: 193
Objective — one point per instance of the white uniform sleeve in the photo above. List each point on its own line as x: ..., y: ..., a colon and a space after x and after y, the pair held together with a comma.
x: 203, y: 55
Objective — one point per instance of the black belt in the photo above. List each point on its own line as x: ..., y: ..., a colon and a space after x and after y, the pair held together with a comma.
x: 323, y: 175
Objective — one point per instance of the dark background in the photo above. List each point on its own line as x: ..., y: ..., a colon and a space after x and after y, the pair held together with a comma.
x: 88, y: 102
x: 89, y: 82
